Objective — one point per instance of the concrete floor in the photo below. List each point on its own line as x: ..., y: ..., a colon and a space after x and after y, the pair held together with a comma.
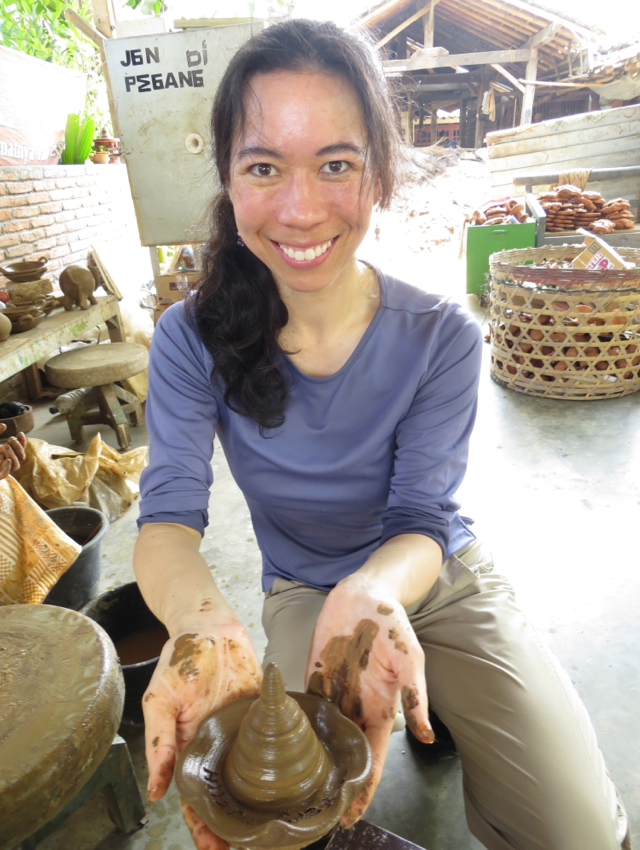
x: 554, y: 488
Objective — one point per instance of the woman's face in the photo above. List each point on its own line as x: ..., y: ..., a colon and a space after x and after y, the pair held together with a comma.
x: 296, y: 178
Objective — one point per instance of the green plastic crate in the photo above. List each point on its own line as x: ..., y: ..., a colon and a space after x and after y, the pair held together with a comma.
x: 484, y: 240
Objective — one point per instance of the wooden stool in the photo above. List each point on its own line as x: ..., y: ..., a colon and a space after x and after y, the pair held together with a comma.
x: 60, y: 702
x: 99, y: 367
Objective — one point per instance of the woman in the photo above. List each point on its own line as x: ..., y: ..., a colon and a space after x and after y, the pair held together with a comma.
x: 344, y: 400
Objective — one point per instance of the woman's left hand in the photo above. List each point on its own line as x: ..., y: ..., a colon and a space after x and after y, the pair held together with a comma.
x: 365, y: 658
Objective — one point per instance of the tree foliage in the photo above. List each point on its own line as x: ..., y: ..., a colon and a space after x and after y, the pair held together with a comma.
x: 39, y: 28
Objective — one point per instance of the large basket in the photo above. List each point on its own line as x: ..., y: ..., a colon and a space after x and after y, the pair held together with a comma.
x: 564, y: 333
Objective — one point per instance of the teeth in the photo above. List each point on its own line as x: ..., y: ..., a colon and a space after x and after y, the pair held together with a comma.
x: 306, y: 255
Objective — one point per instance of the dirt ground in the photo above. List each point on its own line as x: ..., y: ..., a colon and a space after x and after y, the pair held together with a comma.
x: 420, y: 237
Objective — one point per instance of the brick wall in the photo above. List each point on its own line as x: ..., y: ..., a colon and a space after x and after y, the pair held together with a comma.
x: 58, y: 211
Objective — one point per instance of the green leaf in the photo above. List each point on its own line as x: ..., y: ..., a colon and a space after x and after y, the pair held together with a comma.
x: 85, y: 140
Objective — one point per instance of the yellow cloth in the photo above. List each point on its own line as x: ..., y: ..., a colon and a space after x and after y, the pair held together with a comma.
x: 34, y: 552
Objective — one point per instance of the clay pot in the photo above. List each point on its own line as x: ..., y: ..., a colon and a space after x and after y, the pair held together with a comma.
x: 23, y: 317
x: 276, y: 771
x: 100, y: 157
x: 5, y: 326
x: 22, y: 422
x: 25, y: 271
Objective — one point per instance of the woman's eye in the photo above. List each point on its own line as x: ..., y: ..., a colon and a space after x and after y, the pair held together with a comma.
x: 262, y: 169
x: 337, y: 166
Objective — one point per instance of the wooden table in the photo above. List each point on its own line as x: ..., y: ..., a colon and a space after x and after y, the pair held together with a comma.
x: 21, y: 351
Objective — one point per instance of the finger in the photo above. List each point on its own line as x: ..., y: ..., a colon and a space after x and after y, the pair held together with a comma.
x: 5, y: 467
x: 14, y: 450
x: 20, y: 446
x: 378, y: 738
x: 3, y: 428
x: 160, y: 743
x: 413, y: 694
x: 202, y: 836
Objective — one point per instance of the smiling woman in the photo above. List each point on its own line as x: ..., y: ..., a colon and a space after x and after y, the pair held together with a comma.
x: 344, y: 400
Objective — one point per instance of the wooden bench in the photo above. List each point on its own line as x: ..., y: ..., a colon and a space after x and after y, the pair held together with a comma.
x: 619, y: 238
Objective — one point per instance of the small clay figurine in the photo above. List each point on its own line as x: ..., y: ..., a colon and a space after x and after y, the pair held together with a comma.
x: 5, y: 327
x: 78, y: 284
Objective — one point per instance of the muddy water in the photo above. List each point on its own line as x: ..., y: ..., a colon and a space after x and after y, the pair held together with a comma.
x: 141, y: 646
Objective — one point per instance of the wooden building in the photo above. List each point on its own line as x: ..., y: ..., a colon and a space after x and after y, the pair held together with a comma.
x: 502, y: 63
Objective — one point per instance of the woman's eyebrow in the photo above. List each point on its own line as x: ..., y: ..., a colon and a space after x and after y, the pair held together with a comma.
x: 327, y: 150
x: 340, y: 147
x: 256, y: 150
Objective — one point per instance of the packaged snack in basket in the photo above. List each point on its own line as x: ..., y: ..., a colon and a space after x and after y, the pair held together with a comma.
x: 598, y: 255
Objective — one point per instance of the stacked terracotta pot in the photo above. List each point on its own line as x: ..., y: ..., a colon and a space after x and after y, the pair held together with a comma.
x: 500, y: 212
x: 569, y: 208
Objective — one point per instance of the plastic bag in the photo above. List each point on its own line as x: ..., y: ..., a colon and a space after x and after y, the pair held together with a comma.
x: 100, y: 478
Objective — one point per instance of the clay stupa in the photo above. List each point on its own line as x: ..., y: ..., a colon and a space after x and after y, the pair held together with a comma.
x: 276, y: 771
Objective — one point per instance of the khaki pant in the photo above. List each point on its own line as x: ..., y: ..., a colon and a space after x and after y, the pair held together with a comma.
x: 534, y: 778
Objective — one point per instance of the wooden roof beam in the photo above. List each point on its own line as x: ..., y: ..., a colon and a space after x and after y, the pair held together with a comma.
x: 423, y: 60
x: 508, y: 76
x: 544, y: 36
x: 406, y: 23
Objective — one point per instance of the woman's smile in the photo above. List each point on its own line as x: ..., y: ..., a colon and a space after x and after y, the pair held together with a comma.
x: 303, y: 256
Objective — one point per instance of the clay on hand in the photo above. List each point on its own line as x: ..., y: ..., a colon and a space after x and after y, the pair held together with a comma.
x: 196, y: 674
x: 12, y: 453
x: 365, y: 658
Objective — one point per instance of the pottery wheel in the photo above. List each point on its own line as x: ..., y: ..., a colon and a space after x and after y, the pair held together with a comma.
x: 61, y: 696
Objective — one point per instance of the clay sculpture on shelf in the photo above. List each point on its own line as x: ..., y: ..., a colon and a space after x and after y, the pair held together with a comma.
x: 276, y: 771
x: 78, y: 284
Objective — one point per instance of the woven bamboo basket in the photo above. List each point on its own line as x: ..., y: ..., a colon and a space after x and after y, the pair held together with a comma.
x: 564, y: 333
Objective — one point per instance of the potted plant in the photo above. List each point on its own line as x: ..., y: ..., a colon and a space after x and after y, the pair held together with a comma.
x: 78, y: 138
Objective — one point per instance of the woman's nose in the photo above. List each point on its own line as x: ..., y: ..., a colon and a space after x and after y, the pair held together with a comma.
x: 300, y: 203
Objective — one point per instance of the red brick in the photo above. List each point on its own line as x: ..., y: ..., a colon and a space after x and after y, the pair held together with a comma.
x: 7, y: 241
x: 42, y: 221
x: 20, y: 250
x: 44, y: 185
x: 20, y: 188
x: 5, y: 214
x: 55, y: 229
x: 74, y: 204
x: 51, y: 208
x: 66, y: 183
x: 13, y: 200
x: 15, y: 226
x: 32, y: 235
x: 45, y: 244
x: 61, y: 194
x: 3, y: 189
x: 38, y: 198
x: 80, y: 193
x: 68, y: 215
x: 78, y: 224
x: 84, y: 213
x: 59, y: 251
x: 26, y: 212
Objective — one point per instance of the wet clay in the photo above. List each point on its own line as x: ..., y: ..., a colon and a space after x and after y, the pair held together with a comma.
x: 186, y: 651
x: 344, y: 658
x: 276, y: 761
x: 410, y: 701
x: 400, y: 645
x: 141, y: 646
x: 277, y: 771
x: 61, y: 696
x: 384, y: 609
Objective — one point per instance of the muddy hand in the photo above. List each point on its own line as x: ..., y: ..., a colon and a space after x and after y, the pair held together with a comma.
x: 12, y: 453
x: 196, y: 674
x: 366, y: 659
x: 202, y: 836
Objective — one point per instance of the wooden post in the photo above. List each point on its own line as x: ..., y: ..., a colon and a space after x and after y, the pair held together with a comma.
x: 428, y: 23
x: 479, y: 135
x: 463, y: 122
x: 529, y: 91
x: 434, y: 123
x: 104, y: 17
x: 401, y: 48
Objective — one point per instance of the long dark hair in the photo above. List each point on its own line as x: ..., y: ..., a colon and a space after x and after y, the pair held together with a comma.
x: 238, y: 310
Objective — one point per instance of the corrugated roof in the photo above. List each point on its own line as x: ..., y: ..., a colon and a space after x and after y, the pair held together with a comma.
x: 466, y: 26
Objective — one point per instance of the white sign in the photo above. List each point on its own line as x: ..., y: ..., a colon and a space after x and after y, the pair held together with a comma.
x: 163, y: 88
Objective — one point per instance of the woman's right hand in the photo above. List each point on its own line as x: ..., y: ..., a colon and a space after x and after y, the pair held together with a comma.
x: 199, y: 671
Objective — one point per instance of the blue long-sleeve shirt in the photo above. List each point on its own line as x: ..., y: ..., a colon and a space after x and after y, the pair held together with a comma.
x: 375, y: 450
